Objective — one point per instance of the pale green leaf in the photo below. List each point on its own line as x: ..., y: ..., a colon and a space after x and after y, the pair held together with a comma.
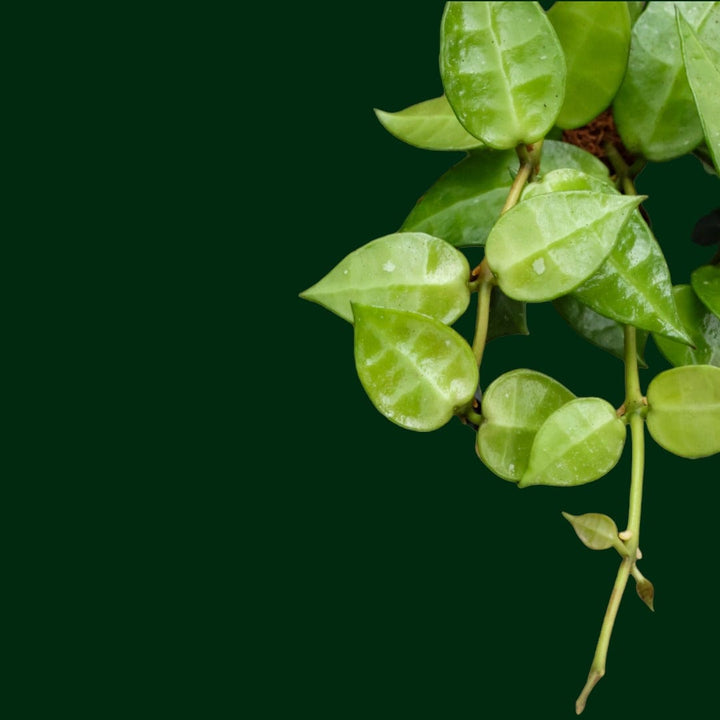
x: 416, y: 371
x: 407, y: 271
x: 684, y: 410
x: 595, y: 530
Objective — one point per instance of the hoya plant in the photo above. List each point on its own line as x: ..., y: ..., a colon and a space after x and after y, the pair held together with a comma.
x: 558, y: 113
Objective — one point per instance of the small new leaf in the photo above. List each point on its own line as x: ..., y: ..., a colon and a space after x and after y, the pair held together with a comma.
x: 596, y: 531
x: 646, y: 592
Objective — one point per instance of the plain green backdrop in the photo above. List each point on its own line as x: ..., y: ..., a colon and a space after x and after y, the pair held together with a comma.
x: 402, y: 579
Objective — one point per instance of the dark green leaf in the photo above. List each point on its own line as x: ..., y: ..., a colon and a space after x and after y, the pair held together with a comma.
x: 599, y: 330
x: 706, y: 284
x: 701, y: 325
x: 507, y: 316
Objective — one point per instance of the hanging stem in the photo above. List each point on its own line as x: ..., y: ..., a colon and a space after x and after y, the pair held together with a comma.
x: 634, y: 405
x: 485, y: 287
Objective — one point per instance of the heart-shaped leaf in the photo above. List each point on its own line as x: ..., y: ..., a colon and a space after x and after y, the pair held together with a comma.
x: 701, y: 325
x: 704, y: 77
x: 595, y: 530
x: 706, y: 284
x: 463, y: 205
x: 416, y: 371
x: 654, y: 108
x: 595, y: 37
x: 602, y: 331
x: 579, y: 443
x: 633, y: 284
x: 408, y: 271
x: 546, y: 246
x: 514, y: 406
x: 684, y: 410
x: 503, y: 70
x: 431, y: 125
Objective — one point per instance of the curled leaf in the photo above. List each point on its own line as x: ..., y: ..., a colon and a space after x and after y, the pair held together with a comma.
x: 596, y: 531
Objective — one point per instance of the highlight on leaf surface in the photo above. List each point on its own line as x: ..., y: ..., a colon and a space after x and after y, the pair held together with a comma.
x: 596, y: 531
x: 514, y: 407
x: 430, y: 125
x: 580, y: 442
x: 416, y: 371
x: 684, y: 410
x: 546, y: 246
x: 408, y: 271
x: 503, y: 70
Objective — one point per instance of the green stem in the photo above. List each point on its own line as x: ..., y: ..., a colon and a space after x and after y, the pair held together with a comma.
x: 634, y: 404
x: 483, y: 318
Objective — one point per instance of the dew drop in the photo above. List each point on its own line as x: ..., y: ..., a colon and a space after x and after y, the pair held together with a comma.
x: 539, y: 266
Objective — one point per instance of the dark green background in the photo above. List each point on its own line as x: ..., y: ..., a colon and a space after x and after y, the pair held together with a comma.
x: 400, y: 578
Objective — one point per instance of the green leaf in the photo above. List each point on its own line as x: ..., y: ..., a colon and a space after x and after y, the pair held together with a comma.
x: 701, y: 325
x: 546, y: 246
x: 595, y: 37
x: 684, y: 410
x: 704, y: 78
x: 602, y: 331
x: 416, y: 371
x: 430, y: 125
x: 654, y: 108
x: 507, y: 316
x: 407, y: 271
x: 463, y: 205
x: 595, y: 530
x: 579, y: 443
x: 633, y: 284
x: 503, y: 70
x: 706, y: 284
x: 514, y: 407
x: 635, y: 9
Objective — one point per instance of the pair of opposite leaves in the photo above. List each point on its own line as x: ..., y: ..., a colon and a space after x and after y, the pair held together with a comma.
x: 535, y: 432
x: 510, y: 71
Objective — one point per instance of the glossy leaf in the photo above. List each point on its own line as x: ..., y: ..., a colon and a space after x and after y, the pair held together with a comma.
x: 706, y: 284
x: 701, y: 325
x: 431, y: 125
x: 503, y: 70
x: 514, y: 407
x: 684, y: 410
x: 601, y: 331
x: 579, y: 443
x: 464, y: 204
x: 416, y: 371
x: 595, y: 37
x: 704, y: 78
x: 633, y: 284
x: 595, y: 530
x: 654, y: 108
x: 507, y: 316
x: 407, y: 271
x: 546, y: 246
